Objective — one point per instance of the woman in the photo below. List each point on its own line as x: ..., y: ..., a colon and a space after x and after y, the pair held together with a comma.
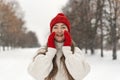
x: 61, y: 59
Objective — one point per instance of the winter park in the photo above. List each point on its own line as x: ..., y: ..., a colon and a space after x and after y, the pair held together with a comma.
x: 25, y: 28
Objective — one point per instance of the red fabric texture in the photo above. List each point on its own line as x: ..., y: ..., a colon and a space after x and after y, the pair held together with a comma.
x: 68, y: 39
x: 51, y: 42
x: 60, y: 18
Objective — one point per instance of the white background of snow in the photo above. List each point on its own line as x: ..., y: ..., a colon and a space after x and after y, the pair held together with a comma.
x: 14, y: 63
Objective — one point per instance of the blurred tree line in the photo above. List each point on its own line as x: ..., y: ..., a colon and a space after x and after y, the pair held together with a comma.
x: 13, y: 32
x: 95, y: 24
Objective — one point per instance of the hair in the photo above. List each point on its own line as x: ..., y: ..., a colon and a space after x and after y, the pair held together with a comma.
x: 54, y: 71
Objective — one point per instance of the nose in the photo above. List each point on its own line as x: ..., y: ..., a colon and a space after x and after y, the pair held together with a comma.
x: 59, y: 30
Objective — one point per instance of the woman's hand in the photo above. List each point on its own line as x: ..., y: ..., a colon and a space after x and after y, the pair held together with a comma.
x: 51, y: 42
x: 68, y: 40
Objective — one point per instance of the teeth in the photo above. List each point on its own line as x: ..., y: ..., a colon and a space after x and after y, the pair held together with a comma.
x: 59, y: 35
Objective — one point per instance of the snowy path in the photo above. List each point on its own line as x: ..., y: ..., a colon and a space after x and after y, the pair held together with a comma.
x: 13, y: 65
x: 104, y: 68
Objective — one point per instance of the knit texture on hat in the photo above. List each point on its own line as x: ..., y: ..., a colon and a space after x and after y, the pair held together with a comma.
x: 60, y: 18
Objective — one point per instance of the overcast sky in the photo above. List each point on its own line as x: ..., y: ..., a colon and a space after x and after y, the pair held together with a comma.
x: 38, y: 14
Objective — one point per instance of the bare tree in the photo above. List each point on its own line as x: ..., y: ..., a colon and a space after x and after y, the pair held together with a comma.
x: 12, y: 27
x: 114, y: 17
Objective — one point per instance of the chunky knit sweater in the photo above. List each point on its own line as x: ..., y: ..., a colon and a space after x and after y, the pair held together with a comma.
x: 75, y: 63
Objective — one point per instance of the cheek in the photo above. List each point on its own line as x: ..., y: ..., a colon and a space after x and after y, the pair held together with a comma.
x: 53, y: 30
x: 65, y: 30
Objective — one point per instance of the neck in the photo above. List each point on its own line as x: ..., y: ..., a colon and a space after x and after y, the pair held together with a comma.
x: 59, y: 45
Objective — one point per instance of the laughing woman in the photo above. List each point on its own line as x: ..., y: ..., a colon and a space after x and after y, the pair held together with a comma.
x: 61, y: 59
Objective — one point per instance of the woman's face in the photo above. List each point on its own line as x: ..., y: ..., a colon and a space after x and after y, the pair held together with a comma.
x: 59, y: 29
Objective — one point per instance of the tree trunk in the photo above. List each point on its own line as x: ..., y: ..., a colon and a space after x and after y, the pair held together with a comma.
x: 102, y: 42
x: 114, y: 43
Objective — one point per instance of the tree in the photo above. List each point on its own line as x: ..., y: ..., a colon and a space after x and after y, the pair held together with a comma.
x: 80, y: 14
x: 28, y: 40
x: 95, y: 23
x: 114, y: 16
x: 12, y: 26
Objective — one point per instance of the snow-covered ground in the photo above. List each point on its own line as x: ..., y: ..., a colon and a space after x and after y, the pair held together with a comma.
x: 14, y: 63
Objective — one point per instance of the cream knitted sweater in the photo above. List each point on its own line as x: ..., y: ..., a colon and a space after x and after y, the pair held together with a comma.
x: 76, y: 64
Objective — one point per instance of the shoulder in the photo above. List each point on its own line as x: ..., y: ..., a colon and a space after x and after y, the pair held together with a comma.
x: 77, y: 49
x: 42, y: 50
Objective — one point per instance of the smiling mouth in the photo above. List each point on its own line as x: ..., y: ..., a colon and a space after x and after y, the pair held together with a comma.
x: 59, y: 35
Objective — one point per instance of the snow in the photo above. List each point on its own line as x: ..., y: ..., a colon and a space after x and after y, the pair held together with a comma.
x: 14, y: 63
x: 103, y: 68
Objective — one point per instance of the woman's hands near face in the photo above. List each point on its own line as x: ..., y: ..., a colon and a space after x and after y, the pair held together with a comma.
x: 68, y: 40
x: 51, y: 42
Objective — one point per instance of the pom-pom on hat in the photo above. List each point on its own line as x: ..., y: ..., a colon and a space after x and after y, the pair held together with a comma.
x: 60, y: 18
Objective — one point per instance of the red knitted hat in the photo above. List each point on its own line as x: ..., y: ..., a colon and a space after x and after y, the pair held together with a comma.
x: 60, y: 18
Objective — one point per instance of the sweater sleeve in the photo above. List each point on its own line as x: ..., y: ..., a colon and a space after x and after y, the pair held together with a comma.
x: 75, y: 63
x: 42, y: 65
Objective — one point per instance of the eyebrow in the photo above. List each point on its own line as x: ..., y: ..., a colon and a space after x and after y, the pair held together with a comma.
x: 61, y: 25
